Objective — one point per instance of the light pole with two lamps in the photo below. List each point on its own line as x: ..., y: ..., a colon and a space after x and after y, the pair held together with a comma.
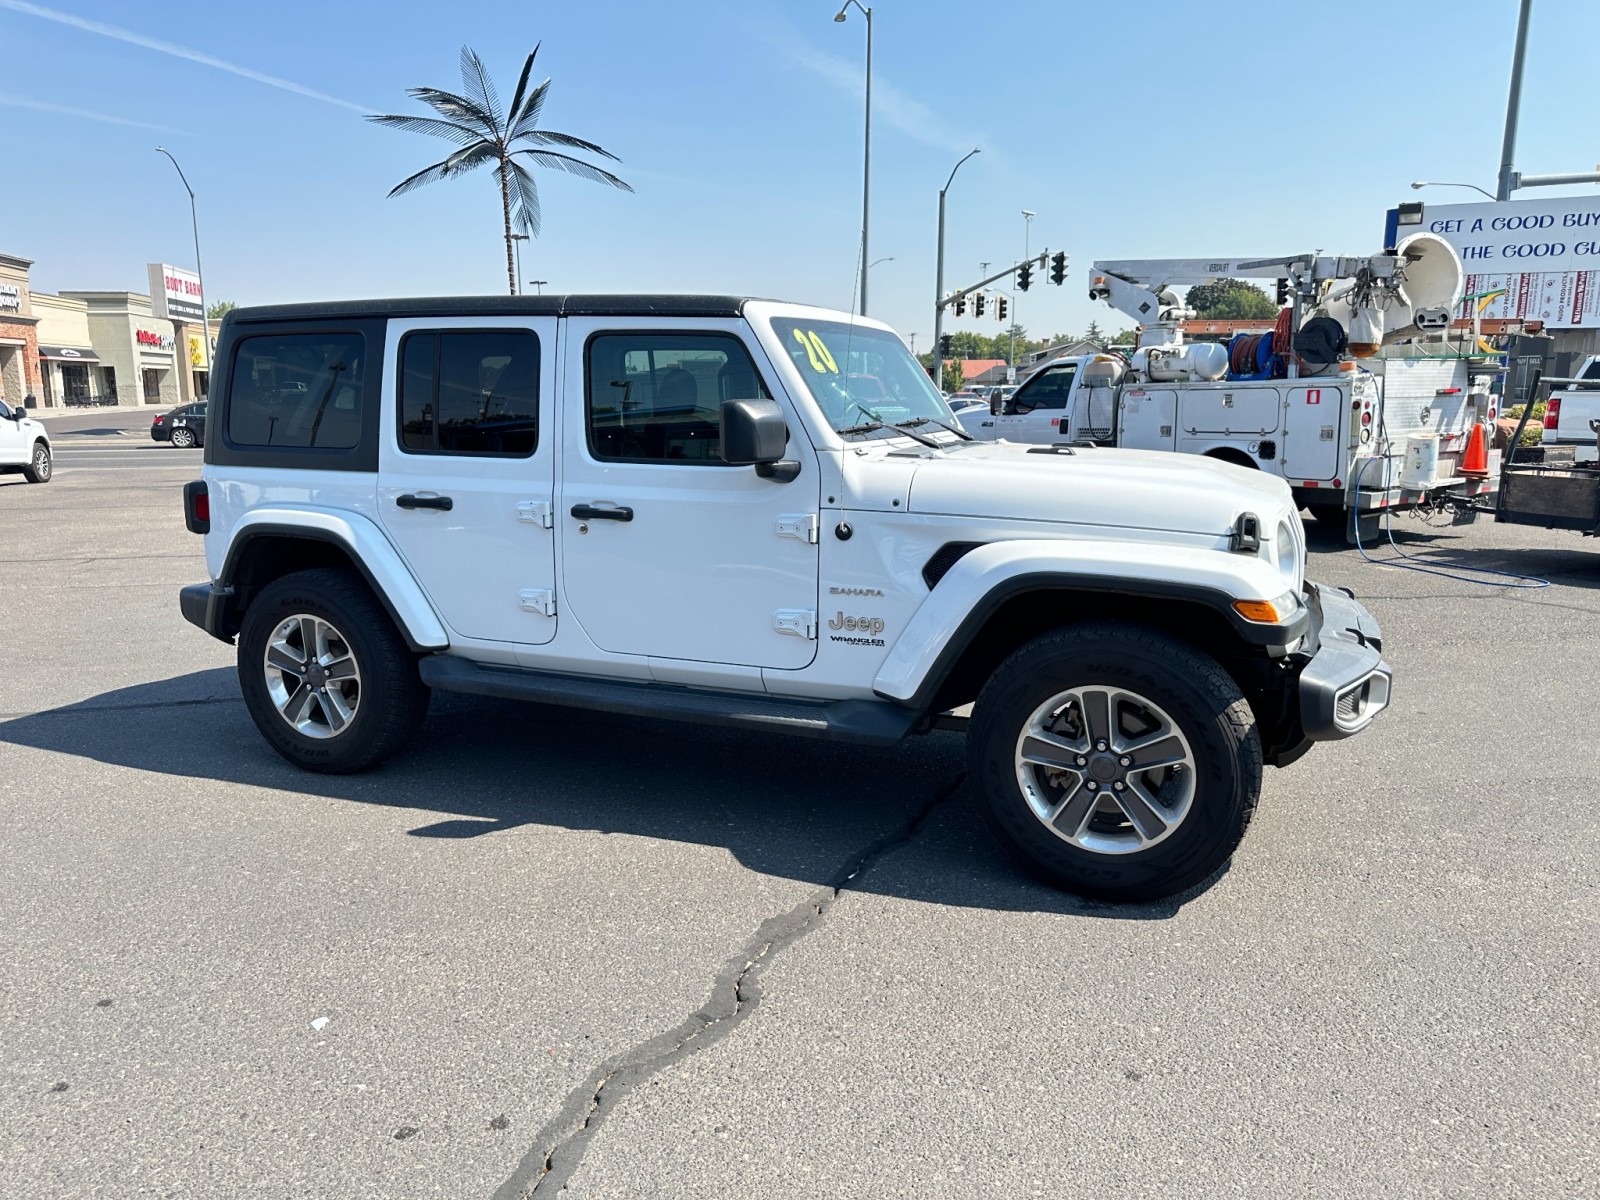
x: 866, y: 158
x: 194, y: 222
x: 539, y: 283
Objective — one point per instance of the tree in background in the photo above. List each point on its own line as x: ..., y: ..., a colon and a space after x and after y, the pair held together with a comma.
x: 220, y: 309
x: 1230, y: 299
x: 1095, y: 334
x: 954, y: 381
x: 485, y: 136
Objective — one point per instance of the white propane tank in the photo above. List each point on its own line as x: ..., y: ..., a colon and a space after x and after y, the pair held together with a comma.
x: 1175, y: 364
x: 1421, y: 462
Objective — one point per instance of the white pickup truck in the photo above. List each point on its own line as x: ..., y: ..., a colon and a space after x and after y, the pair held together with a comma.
x: 1569, y: 413
x: 738, y: 512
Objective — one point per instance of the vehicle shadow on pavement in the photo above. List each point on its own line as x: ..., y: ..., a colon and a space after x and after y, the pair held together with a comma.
x: 782, y: 806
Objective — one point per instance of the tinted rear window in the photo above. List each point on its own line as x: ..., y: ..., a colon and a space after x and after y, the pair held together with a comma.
x: 297, y: 390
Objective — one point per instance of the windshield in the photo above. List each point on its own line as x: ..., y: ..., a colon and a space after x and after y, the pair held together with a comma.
x: 861, y: 377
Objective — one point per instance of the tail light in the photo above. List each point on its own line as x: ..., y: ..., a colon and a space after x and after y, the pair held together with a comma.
x: 160, y: 419
x: 1552, y: 412
x: 197, y: 507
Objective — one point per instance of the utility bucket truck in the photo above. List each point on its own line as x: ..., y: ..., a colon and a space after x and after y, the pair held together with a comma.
x: 1355, y: 399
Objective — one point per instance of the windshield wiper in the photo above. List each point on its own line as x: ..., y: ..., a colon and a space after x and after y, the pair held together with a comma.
x: 960, y: 433
x: 874, y: 426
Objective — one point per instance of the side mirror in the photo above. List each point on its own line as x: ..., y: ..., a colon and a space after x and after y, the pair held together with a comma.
x: 753, y: 432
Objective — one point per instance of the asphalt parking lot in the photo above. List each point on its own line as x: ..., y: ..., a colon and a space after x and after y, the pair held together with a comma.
x: 619, y: 959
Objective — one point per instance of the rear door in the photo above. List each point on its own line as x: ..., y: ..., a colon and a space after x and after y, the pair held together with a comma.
x: 466, y: 469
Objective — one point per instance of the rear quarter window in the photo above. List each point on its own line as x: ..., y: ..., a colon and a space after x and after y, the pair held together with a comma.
x: 297, y: 390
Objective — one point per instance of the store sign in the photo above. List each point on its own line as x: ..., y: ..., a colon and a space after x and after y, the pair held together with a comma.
x: 196, y: 352
x: 175, y: 293
x: 153, y: 340
x: 1544, y: 254
x: 10, y: 296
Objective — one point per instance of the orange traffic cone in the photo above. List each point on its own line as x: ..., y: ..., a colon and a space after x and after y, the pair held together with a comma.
x: 1476, y: 459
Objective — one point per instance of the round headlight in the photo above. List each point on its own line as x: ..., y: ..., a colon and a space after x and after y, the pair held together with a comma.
x: 1288, y: 551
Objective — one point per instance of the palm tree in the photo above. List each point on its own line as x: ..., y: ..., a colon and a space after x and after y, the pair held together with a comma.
x: 475, y: 123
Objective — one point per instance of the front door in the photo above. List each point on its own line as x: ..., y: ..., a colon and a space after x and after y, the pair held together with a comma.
x: 466, y: 471
x: 1037, y: 411
x: 667, y: 551
x: 13, y: 446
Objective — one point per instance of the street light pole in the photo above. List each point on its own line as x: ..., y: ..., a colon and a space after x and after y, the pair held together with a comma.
x: 866, y: 157
x: 1508, y: 148
x: 1422, y: 183
x: 194, y: 223
x: 938, y: 283
x: 519, y: 238
x: 539, y: 283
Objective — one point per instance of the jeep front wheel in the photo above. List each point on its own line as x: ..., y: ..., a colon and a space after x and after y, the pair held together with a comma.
x: 1116, y: 762
x: 326, y: 676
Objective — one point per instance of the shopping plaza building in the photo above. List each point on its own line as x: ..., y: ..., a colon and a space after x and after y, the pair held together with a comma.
x: 96, y: 347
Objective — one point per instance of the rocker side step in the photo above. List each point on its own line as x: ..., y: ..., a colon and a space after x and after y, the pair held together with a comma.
x: 864, y: 722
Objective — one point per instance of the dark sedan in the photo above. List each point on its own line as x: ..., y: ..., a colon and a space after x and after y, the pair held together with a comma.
x: 184, y: 426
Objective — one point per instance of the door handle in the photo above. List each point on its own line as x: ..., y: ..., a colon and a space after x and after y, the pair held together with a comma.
x: 442, y: 503
x: 588, y: 512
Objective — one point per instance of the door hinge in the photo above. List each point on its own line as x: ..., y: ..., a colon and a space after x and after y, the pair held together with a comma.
x: 802, y: 527
x: 799, y: 622
x: 538, y: 600
x: 537, y: 512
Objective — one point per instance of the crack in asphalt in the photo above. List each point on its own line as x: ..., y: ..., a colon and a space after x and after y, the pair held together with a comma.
x: 559, y: 1147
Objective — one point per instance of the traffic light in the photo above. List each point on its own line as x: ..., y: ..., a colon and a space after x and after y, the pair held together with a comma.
x: 1000, y: 308
x: 1283, y: 292
x: 977, y: 304
x: 1024, y: 276
x: 961, y: 305
x: 944, y: 345
x: 1058, y: 267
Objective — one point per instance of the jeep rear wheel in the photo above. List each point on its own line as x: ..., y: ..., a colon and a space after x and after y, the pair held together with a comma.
x: 326, y: 676
x: 1116, y: 762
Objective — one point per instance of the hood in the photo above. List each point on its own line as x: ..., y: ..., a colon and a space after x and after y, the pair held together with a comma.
x: 1146, y: 489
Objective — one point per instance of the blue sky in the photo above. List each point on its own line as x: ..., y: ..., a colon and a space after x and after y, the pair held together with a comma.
x: 1165, y: 128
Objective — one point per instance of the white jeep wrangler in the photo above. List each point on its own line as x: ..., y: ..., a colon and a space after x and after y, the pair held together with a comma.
x: 749, y: 513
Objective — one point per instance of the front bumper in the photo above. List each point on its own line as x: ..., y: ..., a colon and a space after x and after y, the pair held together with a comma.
x: 1346, y: 682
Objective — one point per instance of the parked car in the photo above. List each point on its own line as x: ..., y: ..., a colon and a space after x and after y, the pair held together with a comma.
x: 24, y: 445
x: 184, y: 426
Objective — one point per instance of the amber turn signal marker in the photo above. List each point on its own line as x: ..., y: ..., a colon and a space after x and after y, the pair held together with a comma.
x: 1258, y: 610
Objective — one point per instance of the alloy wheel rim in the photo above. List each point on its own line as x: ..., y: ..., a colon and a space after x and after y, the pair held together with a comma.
x: 1106, y: 770
x: 41, y: 463
x: 312, y: 676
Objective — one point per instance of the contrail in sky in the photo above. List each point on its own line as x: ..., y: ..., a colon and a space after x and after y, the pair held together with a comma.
x: 46, y: 106
x: 160, y: 47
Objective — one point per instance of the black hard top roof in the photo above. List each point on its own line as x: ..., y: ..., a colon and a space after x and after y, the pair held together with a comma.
x: 501, y: 306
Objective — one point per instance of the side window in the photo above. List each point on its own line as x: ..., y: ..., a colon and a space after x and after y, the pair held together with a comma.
x: 470, y: 392
x: 657, y: 397
x: 1049, y: 391
x: 1592, y: 371
x: 297, y: 390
